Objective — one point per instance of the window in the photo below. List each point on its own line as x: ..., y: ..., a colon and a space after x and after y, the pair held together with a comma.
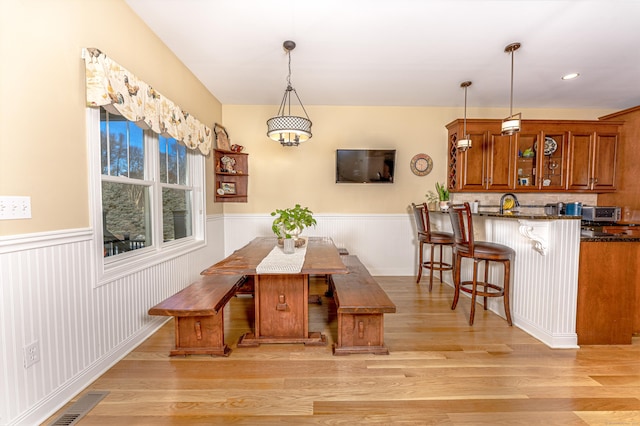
x: 126, y: 212
x: 146, y: 192
x: 176, y: 194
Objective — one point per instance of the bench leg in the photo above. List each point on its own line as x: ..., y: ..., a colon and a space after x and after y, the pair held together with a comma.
x: 360, y: 334
x: 200, y: 335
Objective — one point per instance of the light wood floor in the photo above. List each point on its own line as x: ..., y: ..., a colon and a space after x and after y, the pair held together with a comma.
x: 440, y: 371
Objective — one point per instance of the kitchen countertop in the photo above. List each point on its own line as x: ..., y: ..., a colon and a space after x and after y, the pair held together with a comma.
x: 608, y: 232
x: 610, y: 239
x: 527, y: 215
x: 532, y: 214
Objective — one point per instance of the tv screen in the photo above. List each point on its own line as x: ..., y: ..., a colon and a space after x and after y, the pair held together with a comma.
x: 365, y: 165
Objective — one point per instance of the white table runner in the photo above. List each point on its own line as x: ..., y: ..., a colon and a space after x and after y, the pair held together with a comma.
x: 277, y: 262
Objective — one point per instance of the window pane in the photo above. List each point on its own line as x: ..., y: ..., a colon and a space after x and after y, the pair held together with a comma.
x: 176, y: 213
x: 162, y: 147
x: 182, y: 165
x: 125, y: 217
x: 136, y: 151
x: 173, y: 161
x: 122, y: 146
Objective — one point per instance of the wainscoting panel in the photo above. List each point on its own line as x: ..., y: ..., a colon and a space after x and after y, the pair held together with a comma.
x: 386, y: 244
x: 544, y: 288
x: 47, y: 295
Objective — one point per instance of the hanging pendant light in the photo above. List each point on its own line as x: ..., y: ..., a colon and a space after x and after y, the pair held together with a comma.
x: 464, y: 143
x: 285, y: 128
x: 511, y: 124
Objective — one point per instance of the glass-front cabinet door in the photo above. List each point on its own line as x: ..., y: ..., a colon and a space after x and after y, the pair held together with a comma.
x: 553, y: 167
x: 527, y: 161
x: 540, y: 162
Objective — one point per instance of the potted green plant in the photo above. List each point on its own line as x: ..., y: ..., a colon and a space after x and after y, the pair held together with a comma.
x: 290, y: 222
x: 443, y: 195
x: 432, y: 200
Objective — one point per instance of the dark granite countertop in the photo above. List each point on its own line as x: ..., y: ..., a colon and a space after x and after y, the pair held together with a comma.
x: 532, y: 213
x: 521, y: 214
x: 525, y: 215
x: 610, y: 239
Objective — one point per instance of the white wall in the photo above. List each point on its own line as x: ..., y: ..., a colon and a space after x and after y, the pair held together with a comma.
x: 385, y: 243
x: 48, y: 295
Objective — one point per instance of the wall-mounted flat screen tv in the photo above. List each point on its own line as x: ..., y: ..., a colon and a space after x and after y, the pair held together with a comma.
x: 365, y: 165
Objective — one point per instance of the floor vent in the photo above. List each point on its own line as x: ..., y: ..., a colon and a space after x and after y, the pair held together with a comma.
x: 80, y: 408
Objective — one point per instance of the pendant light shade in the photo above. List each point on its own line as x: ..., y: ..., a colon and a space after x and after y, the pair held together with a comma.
x: 464, y: 143
x: 511, y: 124
x: 289, y: 130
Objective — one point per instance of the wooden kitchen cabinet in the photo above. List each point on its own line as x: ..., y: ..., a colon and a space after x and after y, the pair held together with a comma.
x: 546, y: 155
x: 592, y: 159
x: 541, y: 158
x: 231, y: 176
x: 487, y: 166
x: 607, y: 284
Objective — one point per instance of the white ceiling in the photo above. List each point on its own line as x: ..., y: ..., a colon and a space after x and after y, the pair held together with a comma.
x: 407, y: 52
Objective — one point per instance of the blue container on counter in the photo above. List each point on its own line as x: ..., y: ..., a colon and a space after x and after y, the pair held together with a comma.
x: 573, y: 209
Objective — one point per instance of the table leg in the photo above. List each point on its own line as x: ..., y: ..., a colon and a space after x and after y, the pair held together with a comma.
x: 282, y: 312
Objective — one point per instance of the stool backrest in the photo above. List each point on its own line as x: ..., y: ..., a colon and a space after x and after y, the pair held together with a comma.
x: 462, y: 224
x: 421, y: 216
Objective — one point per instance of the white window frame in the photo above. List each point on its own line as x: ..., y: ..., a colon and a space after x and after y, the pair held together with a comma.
x: 108, y: 269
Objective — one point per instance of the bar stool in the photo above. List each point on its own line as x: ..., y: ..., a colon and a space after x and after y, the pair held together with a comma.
x: 480, y: 251
x: 426, y: 236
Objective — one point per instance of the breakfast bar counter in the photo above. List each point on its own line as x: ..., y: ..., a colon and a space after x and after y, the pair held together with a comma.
x: 544, y: 282
x: 569, y: 287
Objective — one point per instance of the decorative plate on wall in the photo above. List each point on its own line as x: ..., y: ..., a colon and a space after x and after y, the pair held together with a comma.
x: 421, y: 164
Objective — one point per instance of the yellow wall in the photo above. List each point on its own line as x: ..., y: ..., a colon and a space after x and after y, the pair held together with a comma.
x: 42, y: 105
x: 282, y: 176
x: 42, y: 122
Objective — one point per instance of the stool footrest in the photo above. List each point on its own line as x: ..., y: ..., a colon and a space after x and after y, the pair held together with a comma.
x: 467, y: 287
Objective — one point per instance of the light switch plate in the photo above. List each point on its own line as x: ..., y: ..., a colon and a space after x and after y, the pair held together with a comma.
x: 15, y: 207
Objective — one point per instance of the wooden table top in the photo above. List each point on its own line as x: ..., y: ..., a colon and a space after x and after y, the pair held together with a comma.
x: 322, y: 257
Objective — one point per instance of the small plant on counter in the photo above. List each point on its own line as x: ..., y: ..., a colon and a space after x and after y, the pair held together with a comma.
x: 432, y: 197
x: 290, y: 222
x: 432, y: 200
x: 443, y: 192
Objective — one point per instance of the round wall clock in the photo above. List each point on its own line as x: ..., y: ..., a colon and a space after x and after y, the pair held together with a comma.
x: 421, y: 164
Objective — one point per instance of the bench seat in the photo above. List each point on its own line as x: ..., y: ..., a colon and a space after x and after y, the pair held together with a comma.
x: 361, y: 304
x: 198, y: 312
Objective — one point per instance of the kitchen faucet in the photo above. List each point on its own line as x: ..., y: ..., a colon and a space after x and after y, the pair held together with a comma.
x: 504, y: 197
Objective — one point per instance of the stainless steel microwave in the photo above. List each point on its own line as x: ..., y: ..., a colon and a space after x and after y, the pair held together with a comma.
x: 601, y: 214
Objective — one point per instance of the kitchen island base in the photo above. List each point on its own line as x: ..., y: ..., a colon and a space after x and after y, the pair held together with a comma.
x: 544, y: 280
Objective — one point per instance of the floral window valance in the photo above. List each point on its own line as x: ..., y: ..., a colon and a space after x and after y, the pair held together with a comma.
x: 113, y: 87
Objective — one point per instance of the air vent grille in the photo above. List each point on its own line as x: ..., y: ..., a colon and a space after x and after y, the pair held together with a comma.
x: 80, y: 408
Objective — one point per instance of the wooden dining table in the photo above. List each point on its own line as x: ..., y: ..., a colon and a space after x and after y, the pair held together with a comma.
x: 281, y: 300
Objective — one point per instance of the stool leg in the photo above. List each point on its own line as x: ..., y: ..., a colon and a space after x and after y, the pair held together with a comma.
x: 431, y: 270
x: 507, y: 275
x: 486, y: 282
x: 456, y: 280
x: 441, y: 262
x: 420, y: 264
x: 474, y: 290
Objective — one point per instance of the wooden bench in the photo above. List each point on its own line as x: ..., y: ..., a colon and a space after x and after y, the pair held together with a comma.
x: 361, y: 304
x: 198, y: 312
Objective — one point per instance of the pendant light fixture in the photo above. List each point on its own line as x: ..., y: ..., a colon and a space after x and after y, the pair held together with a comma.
x: 464, y: 143
x: 285, y: 128
x: 511, y: 124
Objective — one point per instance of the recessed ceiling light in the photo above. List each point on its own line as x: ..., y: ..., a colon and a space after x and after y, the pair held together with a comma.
x: 570, y: 76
